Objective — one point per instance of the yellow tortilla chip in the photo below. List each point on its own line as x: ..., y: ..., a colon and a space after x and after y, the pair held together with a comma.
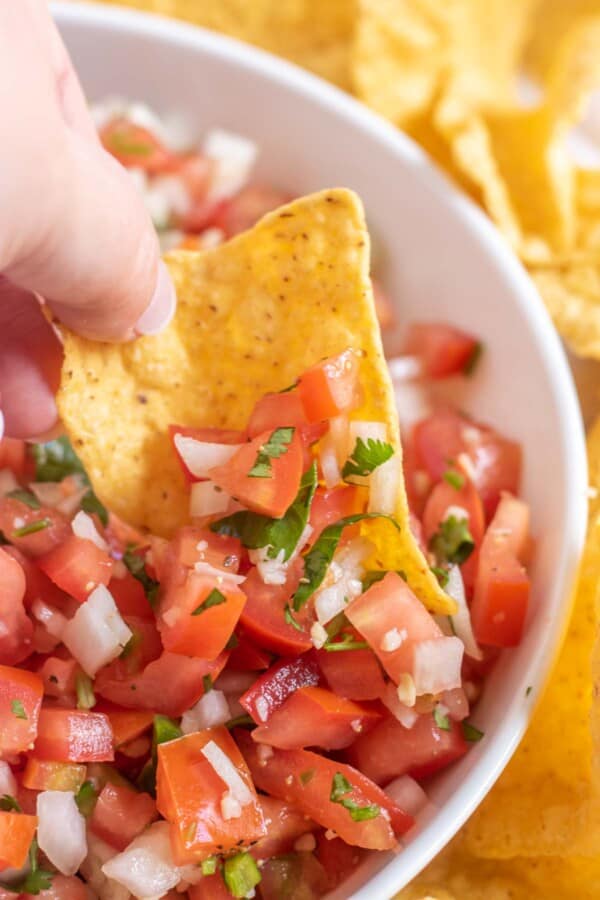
x: 252, y: 315
x: 553, y: 18
x: 572, y: 295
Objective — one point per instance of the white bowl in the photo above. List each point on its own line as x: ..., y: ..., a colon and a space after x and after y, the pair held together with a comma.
x: 441, y: 259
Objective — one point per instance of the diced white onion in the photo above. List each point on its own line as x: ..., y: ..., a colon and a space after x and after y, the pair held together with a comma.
x: 8, y: 482
x: 412, y: 402
x: 96, y: 634
x: 211, y: 710
x: 206, y: 499
x: 330, y: 468
x: 318, y: 635
x: 342, y: 582
x: 405, y: 714
x: 201, y: 456
x: 383, y: 486
x: 61, y: 830
x: 406, y: 793
x: 405, y: 368
x: 220, y: 575
x: 437, y: 665
x: 234, y: 157
x: 461, y: 620
x: 271, y: 571
x: 8, y: 782
x: 83, y: 527
x: 166, y: 196
x: 230, y: 807
x: 99, y: 853
x: 211, y: 237
x: 146, y: 866
x: 53, y: 621
x: 227, y: 772
x: 70, y: 504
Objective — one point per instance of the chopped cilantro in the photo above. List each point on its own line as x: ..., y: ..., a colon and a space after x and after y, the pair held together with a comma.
x: 91, y: 504
x: 32, y: 527
x: 366, y: 457
x: 307, y: 776
x: 529, y: 690
x: 55, y: 460
x: 471, y: 364
x: 441, y: 574
x: 441, y: 719
x: 454, y: 479
x: 290, y: 387
x: 25, y: 497
x: 9, y: 804
x: 215, y: 598
x: 165, y: 729
x: 240, y: 721
x: 136, y: 565
x: 232, y: 643
x: 275, y: 447
x: 85, y: 691
x: 36, y: 879
x: 207, y: 684
x: 86, y: 799
x: 340, y: 786
x: 209, y: 866
x: 374, y: 575
x: 289, y: 618
x: 18, y: 710
x: 121, y: 143
x: 471, y: 733
x: 453, y: 542
x: 241, y: 874
x: 348, y: 642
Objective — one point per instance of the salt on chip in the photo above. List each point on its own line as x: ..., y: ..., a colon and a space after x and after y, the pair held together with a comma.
x: 252, y: 315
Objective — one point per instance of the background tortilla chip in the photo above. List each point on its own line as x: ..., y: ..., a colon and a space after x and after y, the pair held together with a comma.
x: 252, y: 315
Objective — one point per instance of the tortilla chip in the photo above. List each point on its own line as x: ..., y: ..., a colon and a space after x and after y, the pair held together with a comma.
x: 572, y: 296
x: 252, y: 315
x: 553, y: 18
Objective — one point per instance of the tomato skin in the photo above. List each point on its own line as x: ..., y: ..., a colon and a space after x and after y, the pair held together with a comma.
x: 126, y: 724
x: 247, y: 207
x: 271, y: 690
x: 247, y: 657
x: 284, y: 823
x: 25, y: 688
x: 298, y: 875
x: 120, y: 814
x: 44, y: 775
x: 312, y: 796
x: 275, y: 410
x: 211, y: 887
x: 337, y: 858
x: 208, y: 435
x: 441, y: 498
x: 77, y: 566
x: 442, y: 349
x: 16, y: 629
x: 135, y: 146
x: 17, y: 831
x: 74, y: 735
x: 189, y: 794
x: 330, y: 506
x: 263, y: 615
x: 168, y: 685
x: 129, y: 595
x: 330, y: 387
x: 315, y: 717
x: 270, y: 495
x: 59, y: 678
x: 41, y: 541
x: 390, y: 750
x: 355, y: 674
x: 63, y: 887
x: 13, y: 455
x: 37, y: 584
x: 502, y: 587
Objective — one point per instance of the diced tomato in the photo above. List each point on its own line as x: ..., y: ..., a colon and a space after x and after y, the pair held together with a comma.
x: 130, y: 597
x: 15, y: 516
x: 195, y: 170
x: 330, y: 387
x: 126, y: 724
x: 274, y: 411
x: 120, y: 814
x: 143, y: 647
x: 494, y: 460
x: 135, y: 146
x: 442, y: 497
x: 272, y: 689
x: 298, y: 875
x: 20, y: 702
x: 37, y: 584
x: 442, y: 349
x: 207, y: 435
x: 338, y: 859
x: 189, y: 794
x: 74, y: 735
x: 330, y: 506
x: 247, y: 207
x: 45, y: 775
x: 355, y: 674
x: 17, y: 831
x: 210, y: 887
x: 77, y: 566
x: 502, y: 586
x: 121, y: 535
x: 16, y: 629
x: 390, y: 749
x: 263, y: 616
x: 271, y: 493
x: 247, y: 657
x: 168, y: 685
x: 198, y: 617
x: 384, y: 306
x: 284, y: 824
x: 13, y: 455
x: 305, y: 779
x: 386, y: 606
x: 191, y: 546
x: 63, y: 887
x: 59, y: 677
x: 315, y: 717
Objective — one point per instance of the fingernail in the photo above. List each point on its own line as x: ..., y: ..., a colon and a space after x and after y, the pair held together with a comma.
x: 162, y: 306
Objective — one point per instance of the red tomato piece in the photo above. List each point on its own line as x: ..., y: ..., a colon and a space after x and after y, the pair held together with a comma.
x: 315, y: 717
x: 502, y: 586
x: 206, y: 435
x: 45, y: 775
x: 59, y: 677
x: 305, y: 779
x: 74, y: 735
x: 284, y: 823
x: 276, y: 410
x: 198, y: 617
x: 120, y: 534
x: 126, y: 724
x: 442, y: 349
x: 168, y: 685
x: 63, y: 887
x: 247, y: 657
x: 211, y: 887
x: 330, y: 506
x: 17, y: 831
x: 134, y: 146
x: 189, y: 794
x: 77, y: 566
x: 247, y: 207
x: 130, y: 597
x: 20, y: 703
x: 263, y: 616
x: 495, y: 461
x: 390, y: 750
x: 271, y: 493
x: 331, y: 387
x: 387, y: 605
x: 16, y: 629
x: 272, y: 689
x: 15, y: 516
x: 217, y: 550
x: 13, y: 455
x: 338, y: 859
x: 441, y: 498
x: 120, y: 814
x: 355, y: 674
x: 37, y: 584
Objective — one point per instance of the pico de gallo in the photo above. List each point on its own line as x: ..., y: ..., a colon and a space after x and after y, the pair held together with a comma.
x: 249, y: 707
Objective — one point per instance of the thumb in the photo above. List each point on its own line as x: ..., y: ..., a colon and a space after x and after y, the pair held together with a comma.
x: 96, y: 261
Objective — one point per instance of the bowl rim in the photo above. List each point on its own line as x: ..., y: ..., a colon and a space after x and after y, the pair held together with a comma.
x: 480, y: 779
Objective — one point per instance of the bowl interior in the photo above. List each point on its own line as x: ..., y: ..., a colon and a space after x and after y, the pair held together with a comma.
x: 439, y: 259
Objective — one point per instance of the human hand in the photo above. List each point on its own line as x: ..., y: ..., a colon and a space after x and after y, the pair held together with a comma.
x: 73, y: 229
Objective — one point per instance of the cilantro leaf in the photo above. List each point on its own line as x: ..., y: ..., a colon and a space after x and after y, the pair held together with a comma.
x: 84, y: 688
x: 9, y: 804
x: 289, y: 618
x: 32, y: 527
x: 441, y: 574
x: 275, y: 447
x: 441, y: 719
x: 340, y: 786
x: 366, y: 457
x: 85, y: 798
x: 91, y: 504
x: 18, y: 710
x: 136, y: 565
x: 215, y: 598
x: 473, y: 360
x: 25, y: 497
x: 207, y: 684
x: 36, y: 879
x: 55, y: 460
x: 471, y: 733
x: 454, y: 479
x: 255, y: 530
x: 348, y: 642
x: 453, y: 542
x: 374, y: 575
x: 320, y: 555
